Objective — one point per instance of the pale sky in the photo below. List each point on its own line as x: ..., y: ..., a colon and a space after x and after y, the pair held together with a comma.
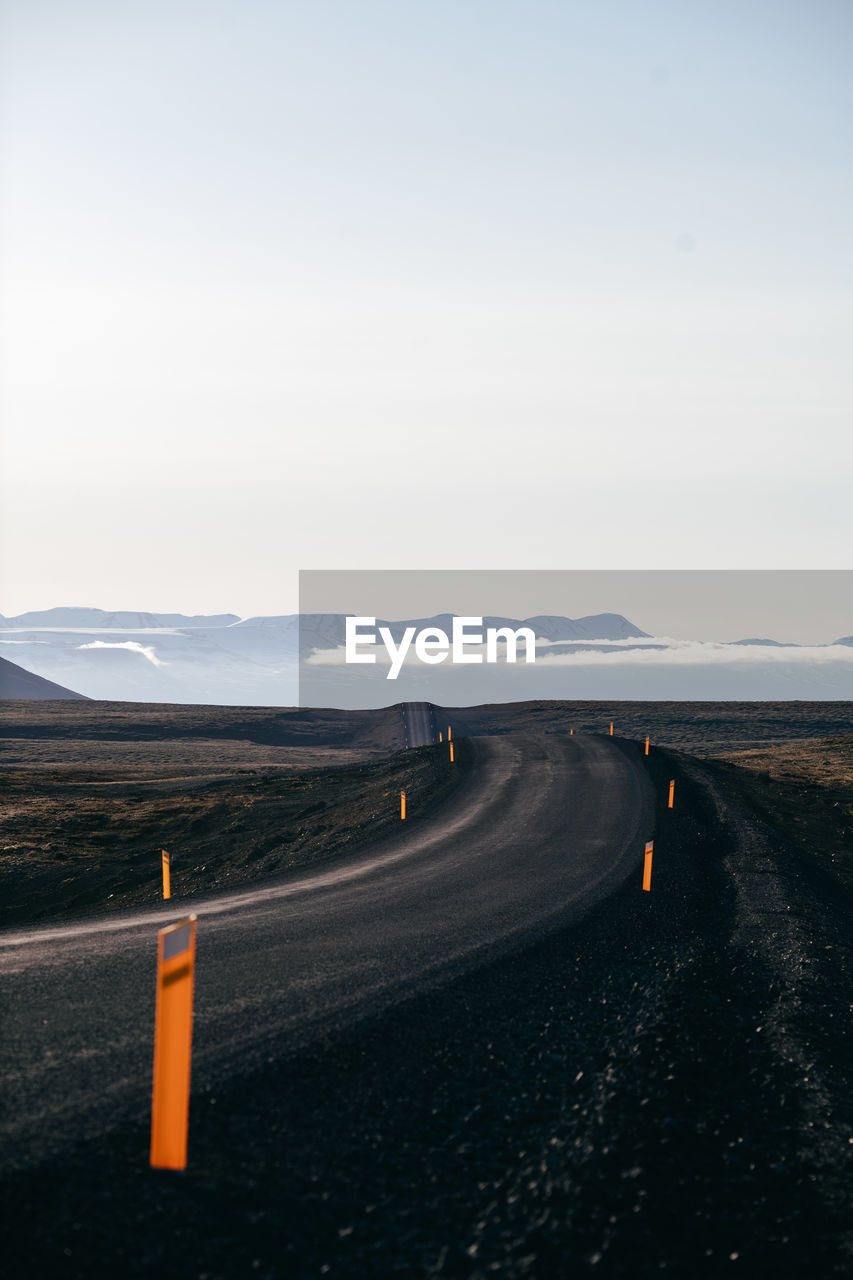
x: 543, y: 285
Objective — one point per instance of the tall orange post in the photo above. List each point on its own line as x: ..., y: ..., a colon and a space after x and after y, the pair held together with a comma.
x: 611, y: 728
x: 449, y: 734
x: 439, y: 736
x: 402, y: 804
x: 167, y: 879
x: 647, y: 865
x: 671, y: 802
x: 451, y: 753
x: 173, y: 1035
x: 647, y: 746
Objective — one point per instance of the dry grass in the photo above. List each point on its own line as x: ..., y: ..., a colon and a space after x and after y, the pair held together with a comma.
x: 823, y: 762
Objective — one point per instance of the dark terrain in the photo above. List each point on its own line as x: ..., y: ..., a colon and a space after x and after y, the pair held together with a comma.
x: 702, y: 728
x: 662, y: 1088
x: 79, y: 846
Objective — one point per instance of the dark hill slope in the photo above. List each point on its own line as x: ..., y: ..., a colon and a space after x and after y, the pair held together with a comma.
x: 17, y: 682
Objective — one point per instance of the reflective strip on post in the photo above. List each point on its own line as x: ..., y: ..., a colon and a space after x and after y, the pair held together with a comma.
x: 647, y: 865
x: 173, y: 1033
x: 167, y: 880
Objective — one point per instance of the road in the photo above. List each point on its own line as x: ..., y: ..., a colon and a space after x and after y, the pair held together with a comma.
x: 418, y: 724
x: 542, y: 828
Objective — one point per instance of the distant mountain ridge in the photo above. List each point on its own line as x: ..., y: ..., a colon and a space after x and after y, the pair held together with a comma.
x: 328, y: 627
x: 328, y: 630
x: 122, y: 621
x: 223, y: 659
x: 774, y: 644
x: 143, y: 656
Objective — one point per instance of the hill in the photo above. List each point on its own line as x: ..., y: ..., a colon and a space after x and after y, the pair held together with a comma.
x: 17, y: 682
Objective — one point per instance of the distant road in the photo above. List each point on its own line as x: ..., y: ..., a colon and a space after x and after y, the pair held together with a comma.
x: 541, y: 829
x: 418, y: 724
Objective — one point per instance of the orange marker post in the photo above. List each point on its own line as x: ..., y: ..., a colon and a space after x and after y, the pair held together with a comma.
x: 611, y: 728
x: 571, y: 731
x: 449, y: 734
x: 439, y: 736
x: 402, y: 804
x: 451, y: 753
x: 647, y: 865
x: 167, y: 880
x: 173, y: 1035
x: 647, y: 746
x: 671, y: 803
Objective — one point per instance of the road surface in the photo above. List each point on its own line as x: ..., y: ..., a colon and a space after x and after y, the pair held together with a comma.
x: 418, y: 724
x: 542, y: 828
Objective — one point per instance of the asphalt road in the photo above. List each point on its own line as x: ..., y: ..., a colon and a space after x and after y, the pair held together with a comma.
x: 542, y: 829
x: 418, y: 724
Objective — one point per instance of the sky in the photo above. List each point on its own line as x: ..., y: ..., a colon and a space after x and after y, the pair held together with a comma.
x: 347, y: 285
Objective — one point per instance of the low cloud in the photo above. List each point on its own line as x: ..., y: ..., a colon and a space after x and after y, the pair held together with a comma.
x: 658, y: 651
x: 701, y: 653
x: 146, y: 650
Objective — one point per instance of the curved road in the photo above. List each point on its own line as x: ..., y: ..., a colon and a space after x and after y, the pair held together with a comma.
x: 542, y: 828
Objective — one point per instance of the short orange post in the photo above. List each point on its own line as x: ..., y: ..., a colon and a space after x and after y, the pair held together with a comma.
x: 647, y: 865
x: 647, y: 746
x: 571, y: 731
x: 611, y: 728
x: 451, y: 753
x: 402, y: 804
x: 173, y: 1036
x: 670, y: 805
x: 167, y: 880
x: 449, y: 735
x: 439, y: 736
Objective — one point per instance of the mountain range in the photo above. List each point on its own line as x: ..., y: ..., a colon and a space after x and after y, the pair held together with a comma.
x: 216, y: 658
x: 227, y: 660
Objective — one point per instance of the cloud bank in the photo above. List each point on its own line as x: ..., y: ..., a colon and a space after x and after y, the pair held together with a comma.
x: 660, y: 651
